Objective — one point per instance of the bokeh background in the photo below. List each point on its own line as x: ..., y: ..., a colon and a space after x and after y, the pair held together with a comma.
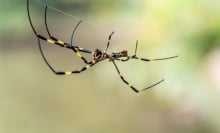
x: 34, y: 100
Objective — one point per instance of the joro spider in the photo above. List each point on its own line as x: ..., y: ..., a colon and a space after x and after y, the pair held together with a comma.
x: 97, y: 54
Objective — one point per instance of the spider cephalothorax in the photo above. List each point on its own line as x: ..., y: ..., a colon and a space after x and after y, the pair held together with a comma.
x: 98, y: 54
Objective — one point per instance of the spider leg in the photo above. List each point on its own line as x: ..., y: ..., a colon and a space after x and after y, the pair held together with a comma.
x: 129, y: 57
x: 53, y: 40
x: 132, y: 87
x: 45, y: 21
x: 109, y: 39
x: 135, y: 51
x: 29, y: 18
x: 75, y: 49
x: 59, y: 42
x: 123, y: 60
x: 77, y: 25
x: 145, y: 59
x: 64, y: 72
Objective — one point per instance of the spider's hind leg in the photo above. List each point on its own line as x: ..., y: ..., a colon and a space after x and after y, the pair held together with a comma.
x: 145, y: 59
x: 157, y: 59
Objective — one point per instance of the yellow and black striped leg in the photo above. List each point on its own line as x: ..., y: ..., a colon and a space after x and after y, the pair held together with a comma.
x: 77, y: 71
x: 67, y: 72
x: 145, y: 59
x: 56, y: 41
x: 132, y: 87
x: 62, y: 44
x: 109, y: 39
x: 53, y: 40
x: 59, y: 42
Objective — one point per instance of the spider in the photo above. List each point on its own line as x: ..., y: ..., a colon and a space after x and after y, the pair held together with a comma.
x: 98, y: 55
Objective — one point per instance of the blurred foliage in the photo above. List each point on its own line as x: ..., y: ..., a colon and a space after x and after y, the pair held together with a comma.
x: 34, y: 100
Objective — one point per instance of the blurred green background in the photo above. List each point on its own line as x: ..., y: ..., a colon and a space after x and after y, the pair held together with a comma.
x: 34, y: 100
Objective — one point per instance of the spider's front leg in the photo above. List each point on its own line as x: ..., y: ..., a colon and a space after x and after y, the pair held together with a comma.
x: 75, y: 49
x: 65, y: 72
